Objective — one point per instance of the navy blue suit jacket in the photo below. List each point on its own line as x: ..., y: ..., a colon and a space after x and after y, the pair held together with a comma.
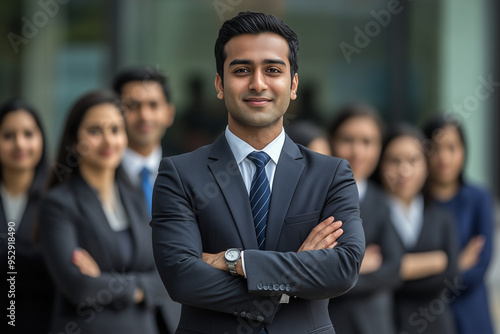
x: 200, y: 204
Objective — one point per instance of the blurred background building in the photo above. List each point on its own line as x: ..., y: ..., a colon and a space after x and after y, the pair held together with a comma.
x: 410, y: 59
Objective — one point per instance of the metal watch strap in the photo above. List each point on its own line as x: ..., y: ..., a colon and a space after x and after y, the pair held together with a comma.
x: 232, y: 268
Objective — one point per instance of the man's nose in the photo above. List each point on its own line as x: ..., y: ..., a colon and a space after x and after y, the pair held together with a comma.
x: 258, y: 82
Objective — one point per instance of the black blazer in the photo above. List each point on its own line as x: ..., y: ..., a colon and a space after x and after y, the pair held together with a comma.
x: 170, y: 312
x: 423, y: 305
x: 368, y: 307
x: 72, y: 217
x: 34, y: 290
x: 200, y: 204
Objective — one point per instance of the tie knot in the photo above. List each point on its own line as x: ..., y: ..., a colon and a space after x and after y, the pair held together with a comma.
x: 260, y: 159
x: 144, y: 171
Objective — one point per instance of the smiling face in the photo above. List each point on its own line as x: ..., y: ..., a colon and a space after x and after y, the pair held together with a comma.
x: 101, y: 137
x: 403, y: 168
x: 359, y: 141
x: 147, y: 112
x: 21, y: 141
x: 257, y: 85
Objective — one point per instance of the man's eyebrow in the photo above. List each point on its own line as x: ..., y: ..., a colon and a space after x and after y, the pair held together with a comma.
x: 240, y: 62
x: 274, y: 61
x: 249, y: 62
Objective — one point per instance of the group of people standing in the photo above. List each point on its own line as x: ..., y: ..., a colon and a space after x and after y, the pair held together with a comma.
x: 83, y: 252
x: 83, y: 246
x: 429, y: 233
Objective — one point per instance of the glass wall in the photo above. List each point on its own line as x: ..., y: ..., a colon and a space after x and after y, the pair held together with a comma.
x: 410, y: 59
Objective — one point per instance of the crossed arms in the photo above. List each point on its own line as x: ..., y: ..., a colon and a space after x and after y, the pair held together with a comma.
x: 321, y: 267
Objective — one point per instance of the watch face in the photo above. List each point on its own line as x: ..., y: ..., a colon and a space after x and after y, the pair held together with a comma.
x: 232, y: 255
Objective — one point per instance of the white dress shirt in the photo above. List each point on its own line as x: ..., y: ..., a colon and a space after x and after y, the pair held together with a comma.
x: 407, y: 220
x: 116, y: 214
x: 13, y: 205
x: 362, y: 186
x: 133, y: 163
x: 242, y: 149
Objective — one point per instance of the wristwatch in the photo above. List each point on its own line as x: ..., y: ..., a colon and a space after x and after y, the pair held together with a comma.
x: 232, y: 256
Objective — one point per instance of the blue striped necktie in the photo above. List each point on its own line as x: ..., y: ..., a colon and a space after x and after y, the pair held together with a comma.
x: 147, y: 187
x: 260, y: 195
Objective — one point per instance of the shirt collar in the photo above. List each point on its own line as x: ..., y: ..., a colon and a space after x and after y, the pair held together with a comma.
x: 411, y: 212
x: 362, y: 186
x: 133, y: 162
x: 241, y: 149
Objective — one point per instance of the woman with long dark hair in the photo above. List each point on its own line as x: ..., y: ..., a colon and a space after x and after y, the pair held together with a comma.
x: 22, y: 176
x: 429, y: 266
x: 356, y: 135
x: 94, y: 228
x: 472, y: 208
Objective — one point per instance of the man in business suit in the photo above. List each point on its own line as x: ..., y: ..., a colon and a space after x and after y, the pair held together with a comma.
x: 149, y: 112
x: 243, y: 229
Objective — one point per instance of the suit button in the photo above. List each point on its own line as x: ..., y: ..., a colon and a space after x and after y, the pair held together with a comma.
x: 243, y: 314
x: 288, y: 287
x: 276, y: 287
x: 266, y: 287
x: 282, y: 287
x: 250, y: 316
x: 260, y: 318
x: 259, y: 286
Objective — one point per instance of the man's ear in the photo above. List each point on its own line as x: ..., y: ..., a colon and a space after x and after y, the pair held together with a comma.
x: 295, y: 85
x: 171, y: 114
x: 219, y: 87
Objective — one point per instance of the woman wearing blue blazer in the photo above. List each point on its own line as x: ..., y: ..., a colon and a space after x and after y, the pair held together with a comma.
x: 472, y: 208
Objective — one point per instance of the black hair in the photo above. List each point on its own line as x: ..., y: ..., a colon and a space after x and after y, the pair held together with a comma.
x: 350, y: 111
x: 67, y: 159
x: 432, y: 129
x: 255, y: 23
x: 41, y: 168
x: 141, y: 73
x: 304, y: 132
x: 399, y: 130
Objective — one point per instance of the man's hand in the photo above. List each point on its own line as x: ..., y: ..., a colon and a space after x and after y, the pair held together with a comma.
x: 372, y: 260
x: 469, y: 256
x: 85, y: 263
x: 323, y: 236
x: 215, y: 260
x: 219, y: 262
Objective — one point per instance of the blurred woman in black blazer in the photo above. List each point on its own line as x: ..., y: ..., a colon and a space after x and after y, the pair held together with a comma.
x: 429, y: 267
x: 23, y: 176
x: 356, y: 135
x: 93, y: 229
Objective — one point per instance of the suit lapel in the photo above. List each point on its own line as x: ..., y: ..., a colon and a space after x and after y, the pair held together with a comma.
x: 3, y: 220
x: 227, y: 175
x: 136, y: 218
x: 25, y: 225
x: 286, y: 177
x: 94, y: 216
x: 25, y: 230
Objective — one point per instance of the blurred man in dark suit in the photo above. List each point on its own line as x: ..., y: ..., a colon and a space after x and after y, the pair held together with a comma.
x: 148, y: 114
